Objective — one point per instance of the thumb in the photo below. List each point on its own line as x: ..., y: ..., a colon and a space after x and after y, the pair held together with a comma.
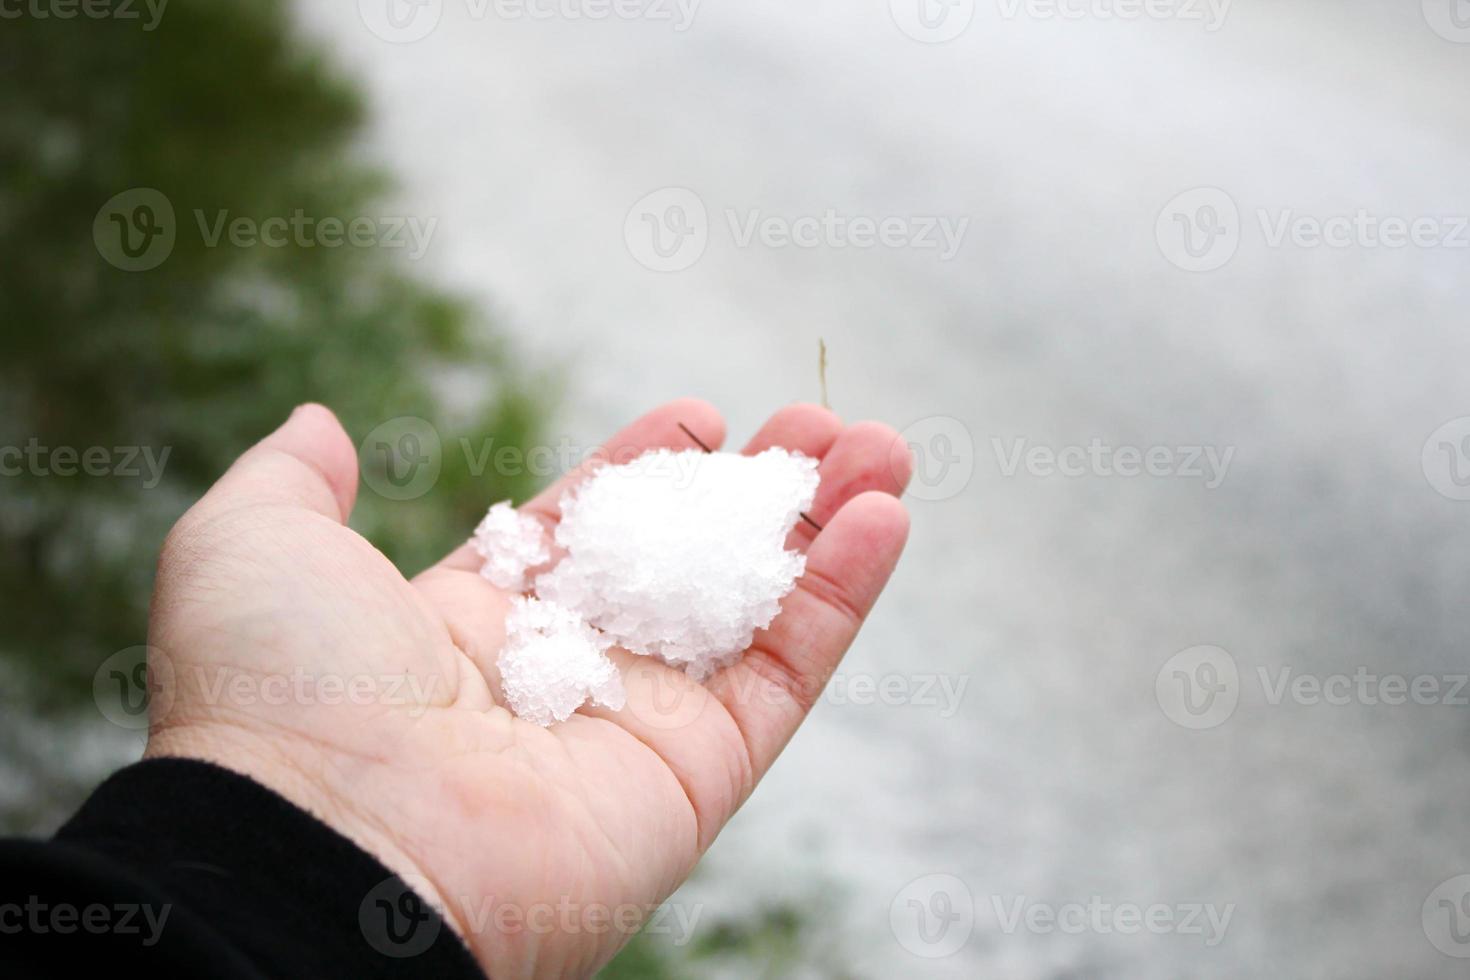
x: 309, y: 462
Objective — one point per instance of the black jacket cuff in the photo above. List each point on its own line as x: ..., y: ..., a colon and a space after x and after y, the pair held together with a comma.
x: 185, y: 868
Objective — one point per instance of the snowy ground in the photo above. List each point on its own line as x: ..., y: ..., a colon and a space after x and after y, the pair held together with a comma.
x: 1056, y: 600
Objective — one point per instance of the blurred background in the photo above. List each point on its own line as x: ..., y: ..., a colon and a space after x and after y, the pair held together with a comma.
x: 1169, y: 299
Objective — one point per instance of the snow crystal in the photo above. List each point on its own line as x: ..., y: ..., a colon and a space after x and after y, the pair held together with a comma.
x: 675, y: 555
x: 681, y: 555
x: 553, y: 662
x: 510, y: 542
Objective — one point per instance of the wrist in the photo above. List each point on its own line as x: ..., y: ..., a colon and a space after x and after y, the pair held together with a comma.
x: 259, y: 758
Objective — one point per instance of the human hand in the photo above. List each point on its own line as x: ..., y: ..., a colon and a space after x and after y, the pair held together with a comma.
x: 262, y: 584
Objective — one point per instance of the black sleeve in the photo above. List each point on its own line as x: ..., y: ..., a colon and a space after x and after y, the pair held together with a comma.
x: 185, y: 869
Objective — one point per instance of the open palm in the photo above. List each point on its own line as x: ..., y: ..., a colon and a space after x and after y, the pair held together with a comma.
x: 294, y: 652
